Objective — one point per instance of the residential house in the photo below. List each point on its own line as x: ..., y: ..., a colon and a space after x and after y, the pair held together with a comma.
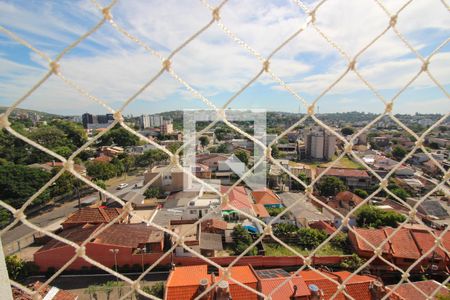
x: 168, y: 180
x: 119, y: 242
x: 267, y: 198
x: 186, y: 283
x: 93, y: 215
x: 419, y: 290
x: 238, y: 198
x: 353, y: 178
x: 47, y: 293
x: 303, y: 211
x: 404, y: 248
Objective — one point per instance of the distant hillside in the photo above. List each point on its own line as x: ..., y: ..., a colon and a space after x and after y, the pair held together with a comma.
x: 18, y: 111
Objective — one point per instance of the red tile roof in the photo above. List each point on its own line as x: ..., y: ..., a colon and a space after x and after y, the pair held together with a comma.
x: 406, y: 243
x: 183, y: 282
x: 402, y: 244
x: 124, y: 235
x: 347, y: 196
x: 408, y: 291
x: 373, y: 236
x: 92, y: 215
x: 343, y: 172
x: 245, y: 275
x: 214, y: 224
x: 322, y: 225
x: 237, y: 197
x: 327, y: 286
x: 287, y: 290
x: 265, y: 197
x: 261, y: 211
x: 59, y: 295
x: 357, y: 286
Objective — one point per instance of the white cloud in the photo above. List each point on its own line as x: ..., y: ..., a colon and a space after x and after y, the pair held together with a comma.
x: 112, y: 68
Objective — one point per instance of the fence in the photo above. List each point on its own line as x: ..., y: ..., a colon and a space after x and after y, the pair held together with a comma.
x: 265, y: 68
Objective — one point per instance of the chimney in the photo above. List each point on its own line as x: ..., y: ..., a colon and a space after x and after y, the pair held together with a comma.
x: 294, y: 292
x: 223, y: 291
x: 376, y: 290
x: 202, y: 286
x: 316, y: 293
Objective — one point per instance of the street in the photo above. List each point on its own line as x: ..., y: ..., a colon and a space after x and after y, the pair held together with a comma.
x: 54, y: 217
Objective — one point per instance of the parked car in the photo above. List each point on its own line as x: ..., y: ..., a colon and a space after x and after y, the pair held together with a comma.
x: 122, y: 186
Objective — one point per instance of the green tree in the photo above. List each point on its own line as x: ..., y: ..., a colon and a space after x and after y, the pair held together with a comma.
x: 340, y: 241
x: 118, y: 136
x: 156, y: 290
x: 64, y: 151
x: 242, y: 156
x: 330, y: 186
x: 352, y: 263
x: 204, y: 141
x: 18, y: 183
x: 242, y: 240
x: 275, y: 152
x: 295, y: 185
x: 310, y: 238
x: 347, y: 131
x: 100, y: 170
x: 434, y: 145
x: 149, y: 157
x: 74, y: 131
x: 152, y: 192
x: 401, y: 193
x: 18, y: 269
x: 102, y: 185
x: 361, y: 193
x: 222, y: 148
x: 398, y: 152
x: 372, y: 216
x: 50, y: 137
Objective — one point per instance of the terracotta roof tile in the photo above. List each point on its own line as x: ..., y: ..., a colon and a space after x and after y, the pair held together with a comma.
x: 93, y: 215
x: 265, y: 197
x: 214, y: 223
x: 322, y: 225
x: 261, y: 211
x: 245, y: 275
x: 183, y: 282
x: 408, y: 291
x: 403, y: 244
x: 327, y: 286
x: 343, y: 172
x: 373, y: 236
x: 238, y: 197
x: 348, y: 196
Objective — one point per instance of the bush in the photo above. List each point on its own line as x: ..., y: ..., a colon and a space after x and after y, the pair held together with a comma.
x: 372, y: 216
x: 361, y: 193
x: 242, y: 240
x: 352, y: 263
x: 340, y: 241
x: 152, y: 192
x: 156, y: 290
x: 274, y: 211
x: 330, y: 186
x: 310, y: 237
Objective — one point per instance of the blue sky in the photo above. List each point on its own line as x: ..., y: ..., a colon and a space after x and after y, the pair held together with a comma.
x: 112, y: 68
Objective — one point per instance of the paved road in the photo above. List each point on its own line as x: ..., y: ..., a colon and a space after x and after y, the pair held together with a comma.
x: 56, y: 215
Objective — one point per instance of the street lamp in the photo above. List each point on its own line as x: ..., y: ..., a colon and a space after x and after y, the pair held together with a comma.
x: 115, y: 251
x: 142, y: 255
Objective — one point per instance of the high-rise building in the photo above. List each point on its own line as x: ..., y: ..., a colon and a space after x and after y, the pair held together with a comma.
x: 319, y: 144
x: 156, y: 121
x: 167, y: 127
x: 144, y: 121
x: 96, y: 121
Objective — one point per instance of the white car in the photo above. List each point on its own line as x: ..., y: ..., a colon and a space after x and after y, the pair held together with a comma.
x: 122, y: 186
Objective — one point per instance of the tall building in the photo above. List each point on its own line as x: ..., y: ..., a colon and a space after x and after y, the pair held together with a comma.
x: 156, y: 121
x: 167, y: 127
x: 319, y: 144
x: 96, y: 121
x: 144, y: 121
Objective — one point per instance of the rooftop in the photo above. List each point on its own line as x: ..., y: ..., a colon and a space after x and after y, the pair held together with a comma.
x: 343, y: 172
x: 93, y: 215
